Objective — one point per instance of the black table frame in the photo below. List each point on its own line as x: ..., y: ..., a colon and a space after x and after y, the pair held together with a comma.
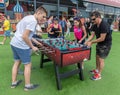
x: 59, y: 75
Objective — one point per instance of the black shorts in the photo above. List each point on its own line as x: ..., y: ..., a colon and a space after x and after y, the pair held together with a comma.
x: 103, y: 51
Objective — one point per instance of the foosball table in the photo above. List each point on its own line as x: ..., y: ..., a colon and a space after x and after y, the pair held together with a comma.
x: 63, y: 53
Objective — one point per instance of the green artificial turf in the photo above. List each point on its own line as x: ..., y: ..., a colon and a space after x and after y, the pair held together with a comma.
x: 108, y: 85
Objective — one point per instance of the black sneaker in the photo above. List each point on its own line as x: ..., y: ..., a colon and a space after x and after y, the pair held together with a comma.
x: 32, y: 86
x: 17, y: 83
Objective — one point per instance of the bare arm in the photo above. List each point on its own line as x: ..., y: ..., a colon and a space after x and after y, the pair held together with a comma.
x: 4, y: 25
x: 88, y: 42
x: 36, y: 42
x: 100, y: 39
x: 49, y: 29
x: 91, y: 37
x: 25, y: 37
x: 90, y: 26
x: 60, y: 29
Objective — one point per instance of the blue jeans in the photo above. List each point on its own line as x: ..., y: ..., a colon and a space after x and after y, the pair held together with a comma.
x: 23, y: 55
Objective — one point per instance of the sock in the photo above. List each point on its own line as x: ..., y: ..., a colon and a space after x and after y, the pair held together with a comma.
x: 27, y: 85
x: 97, y: 70
x: 14, y: 83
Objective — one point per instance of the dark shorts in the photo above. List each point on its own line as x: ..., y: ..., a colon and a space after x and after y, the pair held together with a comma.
x: 103, y: 51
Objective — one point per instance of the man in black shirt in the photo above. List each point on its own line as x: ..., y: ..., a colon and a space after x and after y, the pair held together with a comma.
x: 101, y: 30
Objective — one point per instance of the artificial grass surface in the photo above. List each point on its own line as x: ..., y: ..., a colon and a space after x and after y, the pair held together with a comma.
x: 108, y: 85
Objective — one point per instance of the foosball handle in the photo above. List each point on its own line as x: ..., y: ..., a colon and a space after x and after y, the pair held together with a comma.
x: 41, y: 48
x: 51, y: 51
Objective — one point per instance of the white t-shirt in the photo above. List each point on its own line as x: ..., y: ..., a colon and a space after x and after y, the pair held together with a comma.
x: 49, y: 22
x: 29, y: 23
x: 38, y: 28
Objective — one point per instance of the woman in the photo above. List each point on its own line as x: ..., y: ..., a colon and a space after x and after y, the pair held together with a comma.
x: 79, y: 31
x: 54, y: 30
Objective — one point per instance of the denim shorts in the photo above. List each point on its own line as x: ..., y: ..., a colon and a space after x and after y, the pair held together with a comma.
x: 7, y: 33
x: 24, y: 55
x: 103, y: 51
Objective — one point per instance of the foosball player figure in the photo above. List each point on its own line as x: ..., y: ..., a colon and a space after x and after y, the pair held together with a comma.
x: 67, y: 46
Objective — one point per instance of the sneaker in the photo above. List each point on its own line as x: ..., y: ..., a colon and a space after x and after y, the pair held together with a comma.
x: 96, y: 77
x: 16, y: 84
x: 94, y: 71
x: 1, y: 43
x: 32, y: 86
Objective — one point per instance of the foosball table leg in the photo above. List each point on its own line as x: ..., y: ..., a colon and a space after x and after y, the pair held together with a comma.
x: 41, y: 60
x: 81, y: 71
x: 59, y: 87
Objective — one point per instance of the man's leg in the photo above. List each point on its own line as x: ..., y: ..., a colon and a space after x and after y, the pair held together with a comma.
x: 97, y: 66
x: 97, y: 62
x: 15, y: 71
x: 4, y: 39
x: 27, y: 73
x: 101, y: 65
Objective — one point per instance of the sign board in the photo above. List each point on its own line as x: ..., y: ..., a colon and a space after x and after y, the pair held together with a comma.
x: 1, y: 3
x: 115, y: 3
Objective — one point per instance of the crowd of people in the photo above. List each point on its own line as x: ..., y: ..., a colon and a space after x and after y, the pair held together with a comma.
x: 29, y: 28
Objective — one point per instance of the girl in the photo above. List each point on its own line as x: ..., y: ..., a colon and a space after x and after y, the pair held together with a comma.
x: 79, y: 31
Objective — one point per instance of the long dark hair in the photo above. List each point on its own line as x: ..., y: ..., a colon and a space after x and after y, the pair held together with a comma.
x: 80, y: 23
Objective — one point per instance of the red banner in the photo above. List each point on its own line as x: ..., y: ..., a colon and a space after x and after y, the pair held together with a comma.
x: 115, y: 3
x: 1, y: 1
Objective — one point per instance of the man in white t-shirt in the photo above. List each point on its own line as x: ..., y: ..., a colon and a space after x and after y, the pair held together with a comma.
x: 21, y: 45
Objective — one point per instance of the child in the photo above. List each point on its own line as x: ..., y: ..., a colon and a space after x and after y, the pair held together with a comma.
x: 79, y: 32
